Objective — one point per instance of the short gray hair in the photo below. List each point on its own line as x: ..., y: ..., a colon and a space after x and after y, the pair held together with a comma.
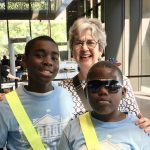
x: 83, y: 24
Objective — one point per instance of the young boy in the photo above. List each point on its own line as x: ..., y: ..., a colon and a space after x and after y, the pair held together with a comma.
x: 48, y: 106
x: 114, y: 130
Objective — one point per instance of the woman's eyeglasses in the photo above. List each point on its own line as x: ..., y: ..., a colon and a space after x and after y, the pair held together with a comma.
x: 91, y: 44
x: 112, y: 86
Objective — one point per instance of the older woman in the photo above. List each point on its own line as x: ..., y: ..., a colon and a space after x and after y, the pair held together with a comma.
x: 87, y: 41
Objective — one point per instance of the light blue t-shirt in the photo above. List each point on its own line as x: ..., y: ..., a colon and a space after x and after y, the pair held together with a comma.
x: 49, y: 113
x: 121, y: 135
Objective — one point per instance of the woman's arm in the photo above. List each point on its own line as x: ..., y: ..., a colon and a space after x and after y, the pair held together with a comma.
x: 143, y: 123
x: 132, y: 106
x: 128, y: 103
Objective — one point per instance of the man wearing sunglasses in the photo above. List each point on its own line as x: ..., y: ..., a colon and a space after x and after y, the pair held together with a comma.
x: 106, y: 127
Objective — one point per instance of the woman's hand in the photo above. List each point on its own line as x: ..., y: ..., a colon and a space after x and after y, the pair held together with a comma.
x: 143, y: 123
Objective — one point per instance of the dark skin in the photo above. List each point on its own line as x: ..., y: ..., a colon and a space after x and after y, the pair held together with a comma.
x: 42, y: 64
x: 113, y: 115
x: 104, y: 103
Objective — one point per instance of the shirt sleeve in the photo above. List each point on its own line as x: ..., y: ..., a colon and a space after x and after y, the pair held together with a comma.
x: 145, y: 143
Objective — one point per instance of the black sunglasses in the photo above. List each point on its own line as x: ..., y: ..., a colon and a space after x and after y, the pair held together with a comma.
x: 112, y: 86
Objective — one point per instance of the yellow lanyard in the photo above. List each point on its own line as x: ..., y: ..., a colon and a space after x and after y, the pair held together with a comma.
x: 89, y: 133
x: 24, y: 121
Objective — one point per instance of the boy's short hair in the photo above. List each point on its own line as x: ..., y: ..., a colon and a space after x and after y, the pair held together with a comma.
x: 106, y: 64
x: 30, y: 43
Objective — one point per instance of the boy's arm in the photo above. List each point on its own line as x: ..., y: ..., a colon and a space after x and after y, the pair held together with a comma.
x: 142, y: 122
x: 1, y: 96
x: 3, y: 131
x: 64, y: 143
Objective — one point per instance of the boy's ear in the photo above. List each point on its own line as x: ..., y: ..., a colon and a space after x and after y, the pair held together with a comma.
x: 24, y: 61
x: 85, y: 91
x: 124, y: 92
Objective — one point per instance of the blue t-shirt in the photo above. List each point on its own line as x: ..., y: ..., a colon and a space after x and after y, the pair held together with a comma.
x: 121, y: 135
x: 49, y: 113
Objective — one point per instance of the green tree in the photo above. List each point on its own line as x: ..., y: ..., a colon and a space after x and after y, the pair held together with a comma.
x: 21, y: 29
